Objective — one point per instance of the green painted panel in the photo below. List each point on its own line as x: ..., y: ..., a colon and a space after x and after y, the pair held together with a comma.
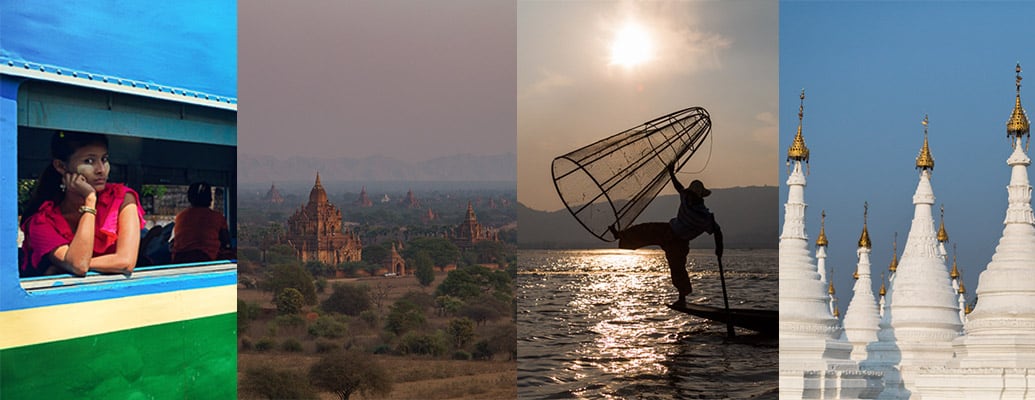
x: 193, y: 359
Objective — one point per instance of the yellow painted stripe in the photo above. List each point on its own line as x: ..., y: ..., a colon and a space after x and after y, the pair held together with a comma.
x: 67, y: 321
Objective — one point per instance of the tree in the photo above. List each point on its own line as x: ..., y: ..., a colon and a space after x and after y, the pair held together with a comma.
x: 290, y: 301
x: 442, y: 251
x: 290, y: 275
x: 348, y: 299
x: 404, y: 316
x: 425, y: 269
x: 461, y: 331
x: 346, y: 373
x: 381, y: 291
x: 374, y: 254
x: 272, y: 383
x: 448, y: 304
x: 317, y: 268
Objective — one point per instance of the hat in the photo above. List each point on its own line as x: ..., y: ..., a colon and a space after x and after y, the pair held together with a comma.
x: 697, y: 188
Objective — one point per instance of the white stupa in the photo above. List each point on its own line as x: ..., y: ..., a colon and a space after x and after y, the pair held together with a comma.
x: 922, y: 317
x: 996, y: 357
x: 821, y: 247
x: 862, y: 316
x: 814, y: 363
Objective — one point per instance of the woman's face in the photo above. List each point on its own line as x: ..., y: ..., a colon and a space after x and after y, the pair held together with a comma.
x: 91, y: 161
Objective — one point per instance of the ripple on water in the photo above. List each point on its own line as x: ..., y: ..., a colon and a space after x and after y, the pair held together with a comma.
x: 593, y: 324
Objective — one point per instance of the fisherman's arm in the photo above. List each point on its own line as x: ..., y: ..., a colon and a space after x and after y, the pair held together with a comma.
x: 672, y: 175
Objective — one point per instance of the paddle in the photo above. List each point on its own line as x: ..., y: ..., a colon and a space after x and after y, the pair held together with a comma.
x: 722, y: 279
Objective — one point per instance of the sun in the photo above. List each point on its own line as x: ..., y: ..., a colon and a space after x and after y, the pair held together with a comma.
x: 631, y: 47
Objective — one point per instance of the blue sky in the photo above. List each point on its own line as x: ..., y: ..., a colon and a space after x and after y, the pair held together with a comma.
x: 870, y: 72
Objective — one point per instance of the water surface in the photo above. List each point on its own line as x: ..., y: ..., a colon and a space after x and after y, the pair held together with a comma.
x: 593, y: 324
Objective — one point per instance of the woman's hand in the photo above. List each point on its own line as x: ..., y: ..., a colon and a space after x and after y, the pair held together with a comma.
x: 77, y: 183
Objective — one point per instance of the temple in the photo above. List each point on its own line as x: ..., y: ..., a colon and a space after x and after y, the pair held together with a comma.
x: 273, y: 195
x: 470, y: 231
x: 363, y: 200
x: 315, y: 231
x: 929, y: 343
x: 815, y: 362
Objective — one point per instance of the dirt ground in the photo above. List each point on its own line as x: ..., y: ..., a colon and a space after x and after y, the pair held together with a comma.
x: 414, y: 377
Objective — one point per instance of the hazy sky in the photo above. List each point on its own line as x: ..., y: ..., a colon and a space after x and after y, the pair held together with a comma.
x: 870, y: 72
x: 409, y: 80
x: 719, y: 55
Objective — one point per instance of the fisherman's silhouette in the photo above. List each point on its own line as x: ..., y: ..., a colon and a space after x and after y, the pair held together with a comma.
x: 674, y: 237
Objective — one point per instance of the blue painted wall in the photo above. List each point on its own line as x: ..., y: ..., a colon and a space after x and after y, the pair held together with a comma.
x: 189, y: 44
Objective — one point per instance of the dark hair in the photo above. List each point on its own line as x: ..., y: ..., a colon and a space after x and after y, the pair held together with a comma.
x: 200, y: 194
x: 62, y: 145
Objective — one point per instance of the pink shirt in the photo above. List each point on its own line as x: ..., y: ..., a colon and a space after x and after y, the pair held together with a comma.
x: 47, y: 229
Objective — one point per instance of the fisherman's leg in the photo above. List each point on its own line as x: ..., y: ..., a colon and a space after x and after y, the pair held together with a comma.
x: 676, y: 253
x: 641, y: 235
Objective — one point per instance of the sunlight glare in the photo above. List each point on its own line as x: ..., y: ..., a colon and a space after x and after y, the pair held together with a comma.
x: 631, y: 46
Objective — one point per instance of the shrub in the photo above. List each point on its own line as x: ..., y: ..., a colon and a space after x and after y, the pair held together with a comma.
x: 291, y: 345
x: 370, y: 317
x: 289, y: 301
x: 346, y: 373
x: 404, y: 316
x: 461, y: 355
x: 264, y: 344
x: 348, y: 299
x: 325, y: 346
x: 419, y: 343
x: 327, y: 327
x: 246, y: 343
x: 274, y: 383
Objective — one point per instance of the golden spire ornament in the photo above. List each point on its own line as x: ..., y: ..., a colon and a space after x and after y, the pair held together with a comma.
x: 961, y: 290
x: 837, y: 312
x: 925, y: 160
x: 883, y: 291
x: 943, y: 236
x: 830, y: 287
x: 864, y: 239
x: 894, y: 256
x: 955, y: 273
x: 822, y: 239
x: 1018, y: 124
x: 798, y: 151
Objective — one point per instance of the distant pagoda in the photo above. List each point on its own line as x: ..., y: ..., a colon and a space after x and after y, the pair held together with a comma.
x: 363, y: 200
x: 273, y: 195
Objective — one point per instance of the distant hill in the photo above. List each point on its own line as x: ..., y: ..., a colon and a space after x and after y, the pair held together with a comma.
x: 253, y: 168
x: 748, y: 216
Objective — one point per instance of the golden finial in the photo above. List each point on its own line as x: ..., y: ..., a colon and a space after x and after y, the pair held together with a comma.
x: 883, y: 291
x: 830, y: 288
x: 864, y: 239
x: 961, y: 290
x: 822, y: 239
x: 955, y: 273
x: 798, y: 151
x: 894, y: 256
x: 1018, y: 124
x: 967, y: 309
x: 925, y: 160
x: 943, y: 236
x: 837, y: 311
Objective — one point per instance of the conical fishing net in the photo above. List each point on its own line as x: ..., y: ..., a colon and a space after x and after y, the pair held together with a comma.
x: 612, y: 181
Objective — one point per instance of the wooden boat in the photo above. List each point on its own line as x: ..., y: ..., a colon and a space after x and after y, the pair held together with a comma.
x: 765, y: 322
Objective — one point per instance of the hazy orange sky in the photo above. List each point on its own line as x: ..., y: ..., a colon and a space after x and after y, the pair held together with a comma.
x: 719, y: 55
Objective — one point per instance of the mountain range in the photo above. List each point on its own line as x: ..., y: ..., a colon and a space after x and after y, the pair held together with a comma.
x: 252, y: 168
x: 748, y: 216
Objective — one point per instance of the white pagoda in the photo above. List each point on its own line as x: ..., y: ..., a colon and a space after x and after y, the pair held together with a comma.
x: 862, y: 317
x: 814, y: 362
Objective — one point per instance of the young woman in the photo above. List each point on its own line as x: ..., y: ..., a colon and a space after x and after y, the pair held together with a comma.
x: 77, y: 221
x: 199, y: 233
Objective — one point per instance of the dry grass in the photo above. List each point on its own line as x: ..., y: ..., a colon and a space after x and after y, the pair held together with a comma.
x: 413, y: 377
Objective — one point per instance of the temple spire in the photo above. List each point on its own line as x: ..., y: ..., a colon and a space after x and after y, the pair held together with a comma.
x: 894, y: 256
x: 822, y: 239
x: 943, y: 235
x: 1018, y: 125
x: 955, y: 273
x: 798, y: 151
x: 864, y: 238
x: 925, y: 161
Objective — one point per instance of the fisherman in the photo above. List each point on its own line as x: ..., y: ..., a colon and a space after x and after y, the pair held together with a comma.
x: 674, y: 237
